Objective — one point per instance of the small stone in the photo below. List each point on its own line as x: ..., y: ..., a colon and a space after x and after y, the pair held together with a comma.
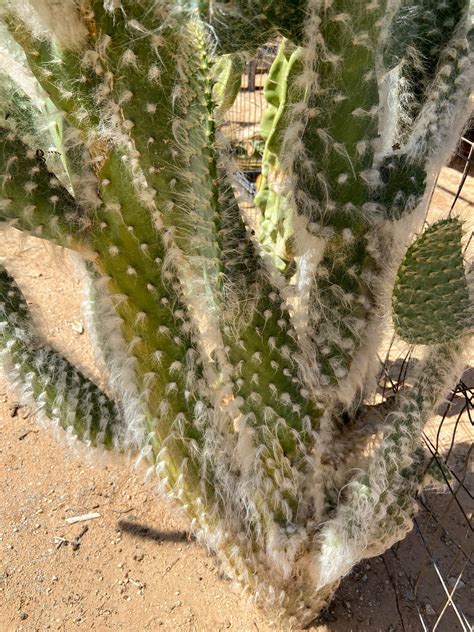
x: 77, y: 327
x: 14, y: 408
x: 430, y: 610
x: 138, y: 556
x: 364, y: 578
x: 23, y: 616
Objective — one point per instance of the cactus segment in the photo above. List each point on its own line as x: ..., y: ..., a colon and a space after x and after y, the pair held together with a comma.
x: 450, y: 89
x: 57, y: 389
x: 335, y: 144
x: 387, y: 489
x: 418, y: 55
x: 402, y: 186
x: 238, y: 26
x: 287, y: 17
x: 34, y: 200
x: 69, y: 77
x: 331, y: 140
x: 240, y: 259
x: 130, y: 254
x: 273, y: 399
x: 174, y: 101
x: 276, y: 221
x: 227, y: 80
x: 431, y: 298
x: 248, y: 24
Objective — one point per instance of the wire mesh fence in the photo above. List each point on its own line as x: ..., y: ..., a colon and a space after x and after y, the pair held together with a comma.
x: 432, y: 570
x: 242, y: 125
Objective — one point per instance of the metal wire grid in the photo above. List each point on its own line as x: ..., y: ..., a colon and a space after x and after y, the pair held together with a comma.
x: 443, y: 531
x: 242, y: 125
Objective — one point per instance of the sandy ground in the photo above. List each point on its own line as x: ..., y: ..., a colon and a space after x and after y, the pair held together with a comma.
x: 134, y: 568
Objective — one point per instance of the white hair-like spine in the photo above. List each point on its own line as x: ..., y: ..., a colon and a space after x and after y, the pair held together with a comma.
x: 55, y: 19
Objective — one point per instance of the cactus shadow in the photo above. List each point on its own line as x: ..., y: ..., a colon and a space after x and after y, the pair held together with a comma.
x: 139, y: 530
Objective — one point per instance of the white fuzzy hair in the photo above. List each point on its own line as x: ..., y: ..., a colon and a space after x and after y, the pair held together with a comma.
x: 52, y: 19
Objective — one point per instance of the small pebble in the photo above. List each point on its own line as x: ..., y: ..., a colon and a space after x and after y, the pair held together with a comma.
x: 77, y: 327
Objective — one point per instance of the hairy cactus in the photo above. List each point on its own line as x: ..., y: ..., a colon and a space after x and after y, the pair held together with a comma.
x: 241, y: 367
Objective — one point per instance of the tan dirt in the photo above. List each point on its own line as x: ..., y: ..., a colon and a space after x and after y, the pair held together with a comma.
x: 134, y: 568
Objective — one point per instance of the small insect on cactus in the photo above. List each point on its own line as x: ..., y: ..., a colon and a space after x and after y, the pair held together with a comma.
x: 241, y: 358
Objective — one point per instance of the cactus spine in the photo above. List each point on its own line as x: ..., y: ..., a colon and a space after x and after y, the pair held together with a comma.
x: 239, y: 368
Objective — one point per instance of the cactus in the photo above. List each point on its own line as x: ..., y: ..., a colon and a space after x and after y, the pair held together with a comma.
x: 431, y: 302
x: 241, y: 368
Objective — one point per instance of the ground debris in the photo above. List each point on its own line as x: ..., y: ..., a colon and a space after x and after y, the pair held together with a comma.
x: 76, y: 542
x: 83, y: 518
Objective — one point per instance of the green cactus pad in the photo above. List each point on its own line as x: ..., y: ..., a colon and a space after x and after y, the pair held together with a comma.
x: 431, y: 298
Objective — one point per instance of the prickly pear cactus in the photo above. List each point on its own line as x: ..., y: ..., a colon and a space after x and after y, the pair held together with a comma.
x: 241, y: 366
